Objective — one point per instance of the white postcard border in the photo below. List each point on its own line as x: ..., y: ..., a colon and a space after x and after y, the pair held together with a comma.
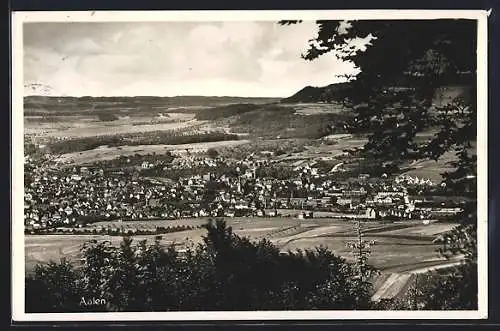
x: 17, y: 203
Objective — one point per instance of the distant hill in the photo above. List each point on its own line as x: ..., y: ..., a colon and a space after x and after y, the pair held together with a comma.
x: 77, y: 105
x: 336, y: 92
x: 330, y: 93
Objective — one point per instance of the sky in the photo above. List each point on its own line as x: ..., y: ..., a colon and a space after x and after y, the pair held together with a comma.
x: 253, y: 59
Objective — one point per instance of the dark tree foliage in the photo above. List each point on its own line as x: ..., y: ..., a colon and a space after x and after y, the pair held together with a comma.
x: 212, y: 153
x: 275, y: 171
x: 224, y: 272
x: 53, y: 287
x: 107, y: 117
x: 225, y: 111
x: 403, y: 70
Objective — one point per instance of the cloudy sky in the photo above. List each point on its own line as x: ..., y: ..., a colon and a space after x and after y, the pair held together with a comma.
x: 174, y: 58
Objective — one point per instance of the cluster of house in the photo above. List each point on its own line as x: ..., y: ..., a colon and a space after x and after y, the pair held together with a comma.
x: 192, y: 159
x: 82, y: 195
x: 76, y: 197
x: 409, y: 180
x: 184, y: 162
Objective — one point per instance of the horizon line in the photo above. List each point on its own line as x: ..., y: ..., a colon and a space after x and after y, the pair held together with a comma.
x: 153, y: 96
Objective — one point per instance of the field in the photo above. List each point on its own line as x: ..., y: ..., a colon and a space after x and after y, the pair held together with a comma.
x: 83, y: 117
x: 396, y: 244
x: 109, y: 153
x: 400, y: 249
x: 314, y: 108
x: 89, y: 126
x: 432, y: 169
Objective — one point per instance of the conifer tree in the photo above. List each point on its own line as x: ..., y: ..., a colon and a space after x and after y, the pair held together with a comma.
x: 363, y: 272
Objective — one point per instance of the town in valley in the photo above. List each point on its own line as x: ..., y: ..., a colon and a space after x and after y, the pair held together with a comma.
x: 125, y: 139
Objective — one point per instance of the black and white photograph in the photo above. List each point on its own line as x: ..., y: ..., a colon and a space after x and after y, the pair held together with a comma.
x: 249, y: 165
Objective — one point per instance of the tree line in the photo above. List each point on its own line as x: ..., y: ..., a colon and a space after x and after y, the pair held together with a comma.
x: 111, y: 231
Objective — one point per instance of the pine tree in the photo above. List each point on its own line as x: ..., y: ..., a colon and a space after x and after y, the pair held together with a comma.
x: 364, y: 273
